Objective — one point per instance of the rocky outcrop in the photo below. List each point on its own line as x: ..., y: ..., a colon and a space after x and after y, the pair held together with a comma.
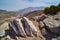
x: 31, y: 25
x: 3, y: 27
x: 52, y: 25
x: 18, y: 27
x: 27, y: 27
x: 49, y: 26
x: 45, y: 26
x: 23, y: 27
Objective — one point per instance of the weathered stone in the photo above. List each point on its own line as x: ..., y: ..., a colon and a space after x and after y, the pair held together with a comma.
x: 18, y: 27
x: 52, y: 25
x: 3, y: 27
x: 27, y: 28
x: 2, y: 33
x: 57, y: 17
x: 30, y: 25
x: 41, y: 25
x: 13, y: 28
x: 53, y: 39
x: 44, y: 32
x: 42, y: 17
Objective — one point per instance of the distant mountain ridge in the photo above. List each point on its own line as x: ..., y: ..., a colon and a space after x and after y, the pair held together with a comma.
x: 30, y: 9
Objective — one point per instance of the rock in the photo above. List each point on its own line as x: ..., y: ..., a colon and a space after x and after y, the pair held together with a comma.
x: 13, y: 28
x: 41, y: 25
x: 30, y: 26
x: 3, y: 27
x: 27, y: 28
x: 44, y: 32
x: 42, y: 17
x: 47, y: 34
x: 2, y: 33
x: 18, y: 27
x: 58, y: 38
x: 35, y: 18
x: 57, y: 17
x: 52, y: 25
x: 53, y: 39
x: 7, y: 37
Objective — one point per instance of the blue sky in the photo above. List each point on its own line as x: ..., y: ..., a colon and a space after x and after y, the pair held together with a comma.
x: 14, y: 5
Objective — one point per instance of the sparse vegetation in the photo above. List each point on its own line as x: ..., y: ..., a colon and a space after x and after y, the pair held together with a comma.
x: 34, y: 13
x: 5, y: 14
x: 52, y: 9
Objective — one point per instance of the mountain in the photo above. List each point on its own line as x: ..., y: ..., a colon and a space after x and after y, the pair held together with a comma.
x: 30, y: 9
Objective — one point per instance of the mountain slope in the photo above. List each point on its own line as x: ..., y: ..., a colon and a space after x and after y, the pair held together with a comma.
x: 6, y: 14
x: 30, y: 9
x: 34, y: 13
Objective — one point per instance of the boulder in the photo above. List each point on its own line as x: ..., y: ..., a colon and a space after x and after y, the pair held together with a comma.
x: 18, y: 27
x: 42, y: 17
x: 13, y: 28
x: 3, y: 27
x: 52, y: 25
x: 27, y: 28
x: 57, y: 17
x: 41, y: 25
x: 30, y: 27
x: 2, y: 33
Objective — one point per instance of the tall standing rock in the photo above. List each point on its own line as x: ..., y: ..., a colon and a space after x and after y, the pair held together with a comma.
x: 26, y: 28
x: 13, y: 28
x: 30, y: 26
x: 18, y: 27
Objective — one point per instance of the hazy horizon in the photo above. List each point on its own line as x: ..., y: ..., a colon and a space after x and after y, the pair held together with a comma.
x: 14, y: 5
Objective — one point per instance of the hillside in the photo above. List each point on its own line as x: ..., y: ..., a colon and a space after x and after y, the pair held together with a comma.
x: 6, y: 14
x: 29, y: 9
x: 34, y: 13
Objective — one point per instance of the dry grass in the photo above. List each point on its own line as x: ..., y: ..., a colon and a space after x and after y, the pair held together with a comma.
x: 9, y: 19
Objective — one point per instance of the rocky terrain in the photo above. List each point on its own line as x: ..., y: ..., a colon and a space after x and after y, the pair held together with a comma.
x: 6, y: 14
x: 31, y: 26
x: 42, y: 27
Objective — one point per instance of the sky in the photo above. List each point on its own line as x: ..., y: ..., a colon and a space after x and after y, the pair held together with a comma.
x: 14, y: 5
